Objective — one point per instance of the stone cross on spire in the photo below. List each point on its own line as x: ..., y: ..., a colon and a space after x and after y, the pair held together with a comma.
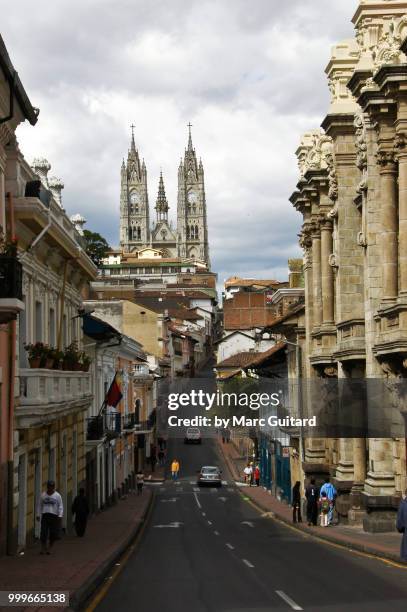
x: 133, y: 144
x: 190, y: 147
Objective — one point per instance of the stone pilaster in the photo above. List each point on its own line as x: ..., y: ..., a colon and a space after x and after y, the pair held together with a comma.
x: 401, y: 146
x: 327, y: 279
x: 316, y: 277
x: 388, y: 191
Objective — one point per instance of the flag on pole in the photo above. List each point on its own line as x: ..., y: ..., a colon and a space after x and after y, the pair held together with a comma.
x: 114, y: 395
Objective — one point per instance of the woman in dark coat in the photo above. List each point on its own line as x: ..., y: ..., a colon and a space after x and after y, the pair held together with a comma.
x: 312, y: 494
x: 296, y: 503
x: 402, y: 527
x: 80, y: 508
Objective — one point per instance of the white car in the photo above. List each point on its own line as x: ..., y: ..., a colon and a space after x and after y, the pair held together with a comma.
x: 210, y: 476
x: 193, y: 436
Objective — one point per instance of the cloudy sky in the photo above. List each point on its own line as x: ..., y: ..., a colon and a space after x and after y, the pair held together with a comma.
x: 249, y: 75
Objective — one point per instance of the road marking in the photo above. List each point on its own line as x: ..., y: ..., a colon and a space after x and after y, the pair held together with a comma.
x: 198, y: 503
x: 309, y: 536
x: 224, y: 482
x: 196, y: 489
x: 223, y: 499
x: 288, y: 600
x: 230, y: 490
x: 214, y: 491
x: 230, y: 546
x: 246, y: 562
x: 241, y: 484
x: 216, y: 533
x: 203, y: 513
x: 170, y: 499
x: 173, y: 525
x: 248, y: 523
x: 209, y: 522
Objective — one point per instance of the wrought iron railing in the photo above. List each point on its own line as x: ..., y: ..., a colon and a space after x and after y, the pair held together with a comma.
x: 104, y: 425
x: 129, y: 421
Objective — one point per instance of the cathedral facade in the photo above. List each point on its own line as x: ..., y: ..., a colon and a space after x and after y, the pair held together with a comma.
x: 189, y: 239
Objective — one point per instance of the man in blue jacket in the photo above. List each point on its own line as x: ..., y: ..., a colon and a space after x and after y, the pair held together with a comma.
x: 402, y: 526
x: 331, y: 493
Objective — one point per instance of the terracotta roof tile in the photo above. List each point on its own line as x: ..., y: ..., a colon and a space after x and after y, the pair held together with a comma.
x: 246, y: 359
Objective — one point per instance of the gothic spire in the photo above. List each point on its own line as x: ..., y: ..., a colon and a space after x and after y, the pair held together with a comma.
x: 133, y: 160
x: 190, y: 162
x: 190, y: 145
x: 133, y: 144
x: 162, y: 204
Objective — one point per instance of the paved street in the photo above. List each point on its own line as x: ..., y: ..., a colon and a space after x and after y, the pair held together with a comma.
x: 210, y: 550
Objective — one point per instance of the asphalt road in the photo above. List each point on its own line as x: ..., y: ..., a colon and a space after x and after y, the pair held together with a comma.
x: 210, y: 550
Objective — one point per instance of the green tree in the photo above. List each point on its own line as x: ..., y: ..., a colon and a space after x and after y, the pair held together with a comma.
x: 95, y: 246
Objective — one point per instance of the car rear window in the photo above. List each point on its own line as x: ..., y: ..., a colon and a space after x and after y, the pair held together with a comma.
x: 210, y: 470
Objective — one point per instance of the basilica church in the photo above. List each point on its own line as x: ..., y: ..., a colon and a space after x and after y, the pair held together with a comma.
x: 189, y: 239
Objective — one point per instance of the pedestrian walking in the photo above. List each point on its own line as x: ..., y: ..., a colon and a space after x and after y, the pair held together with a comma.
x: 50, y: 512
x: 247, y: 473
x: 402, y: 526
x: 311, y: 495
x: 331, y: 493
x: 296, y: 503
x: 80, y: 508
x: 139, y: 482
x: 324, y: 505
x: 174, y: 469
x: 257, y: 475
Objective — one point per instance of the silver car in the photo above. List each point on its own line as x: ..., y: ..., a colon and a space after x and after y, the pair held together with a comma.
x: 210, y: 476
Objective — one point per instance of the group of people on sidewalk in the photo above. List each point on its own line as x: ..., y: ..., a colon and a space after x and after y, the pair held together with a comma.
x: 252, y: 475
x: 319, y: 502
x: 50, y: 512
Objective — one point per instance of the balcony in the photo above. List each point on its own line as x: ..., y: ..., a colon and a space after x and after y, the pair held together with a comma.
x: 129, y: 421
x: 47, y: 395
x: 103, y: 426
x: 11, y: 288
x: 141, y: 370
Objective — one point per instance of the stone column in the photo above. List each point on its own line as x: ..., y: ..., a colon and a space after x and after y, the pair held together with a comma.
x: 327, y: 281
x: 388, y: 189
x: 316, y: 274
x: 357, y: 512
x: 401, y: 144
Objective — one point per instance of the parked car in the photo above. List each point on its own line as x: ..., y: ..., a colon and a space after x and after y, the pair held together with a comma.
x: 193, y: 436
x: 210, y: 476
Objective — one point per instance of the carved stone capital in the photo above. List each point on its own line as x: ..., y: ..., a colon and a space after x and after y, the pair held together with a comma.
x: 385, y: 158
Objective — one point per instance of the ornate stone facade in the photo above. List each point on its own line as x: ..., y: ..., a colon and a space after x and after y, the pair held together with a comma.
x: 190, y: 238
x: 352, y: 194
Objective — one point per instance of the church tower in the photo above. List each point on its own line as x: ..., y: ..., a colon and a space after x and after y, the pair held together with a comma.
x: 192, y: 224
x: 134, y: 211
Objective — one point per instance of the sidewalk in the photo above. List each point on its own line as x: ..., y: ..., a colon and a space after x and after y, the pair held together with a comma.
x: 78, y: 565
x: 385, y: 545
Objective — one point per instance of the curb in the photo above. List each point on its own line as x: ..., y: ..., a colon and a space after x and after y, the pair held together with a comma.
x: 81, y: 595
x: 353, y: 546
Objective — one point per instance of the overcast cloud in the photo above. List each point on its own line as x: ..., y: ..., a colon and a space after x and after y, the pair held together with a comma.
x: 249, y: 75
